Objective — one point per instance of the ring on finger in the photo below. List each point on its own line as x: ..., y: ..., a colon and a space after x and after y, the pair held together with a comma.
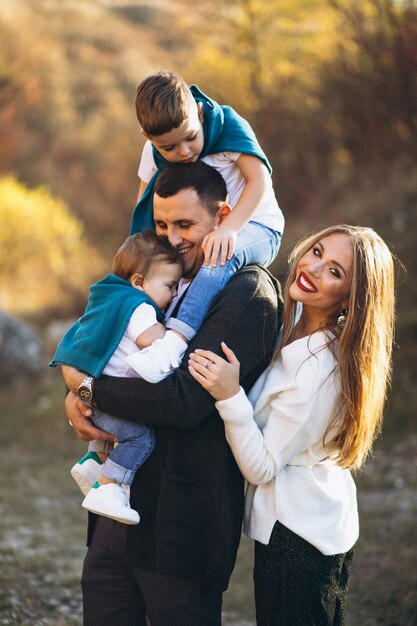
x: 209, y: 363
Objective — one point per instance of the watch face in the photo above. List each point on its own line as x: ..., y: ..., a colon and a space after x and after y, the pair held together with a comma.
x: 85, y: 394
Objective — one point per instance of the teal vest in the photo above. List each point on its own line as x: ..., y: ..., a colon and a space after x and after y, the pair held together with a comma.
x: 91, y: 341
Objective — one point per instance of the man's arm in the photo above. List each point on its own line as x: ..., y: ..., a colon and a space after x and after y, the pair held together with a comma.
x: 245, y: 316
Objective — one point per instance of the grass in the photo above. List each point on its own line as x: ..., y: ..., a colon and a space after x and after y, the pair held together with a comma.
x: 42, y: 526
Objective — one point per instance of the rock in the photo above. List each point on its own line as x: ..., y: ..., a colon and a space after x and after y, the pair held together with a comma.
x: 20, y: 351
x: 54, y: 332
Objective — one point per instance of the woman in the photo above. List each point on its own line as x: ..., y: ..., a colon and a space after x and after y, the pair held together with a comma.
x: 315, y: 414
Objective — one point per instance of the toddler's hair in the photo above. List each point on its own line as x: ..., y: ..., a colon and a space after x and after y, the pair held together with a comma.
x: 140, y: 252
x: 162, y: 102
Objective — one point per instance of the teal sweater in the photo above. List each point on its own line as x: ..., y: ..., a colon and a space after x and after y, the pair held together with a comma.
x: 224, y: 131
x: 91, y: 341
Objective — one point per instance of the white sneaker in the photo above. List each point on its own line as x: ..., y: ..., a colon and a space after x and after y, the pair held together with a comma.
x: 160, y: 359
x: 86, y: 471
x: 111, y: 500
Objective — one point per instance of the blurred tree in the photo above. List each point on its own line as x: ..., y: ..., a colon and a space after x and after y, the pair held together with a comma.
x: 330, y: 87
x: 370, y: 83
x: 44, y: 260
x: 67, y: 114
x: 264, y: 59
x: 244, y: 48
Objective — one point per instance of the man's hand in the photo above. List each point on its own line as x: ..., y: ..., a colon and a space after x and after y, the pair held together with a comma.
x: 79, y: 415
x: 73, y: 378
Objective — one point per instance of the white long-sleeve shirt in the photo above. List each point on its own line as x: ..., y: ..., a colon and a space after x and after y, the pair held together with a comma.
x: 277, y: 439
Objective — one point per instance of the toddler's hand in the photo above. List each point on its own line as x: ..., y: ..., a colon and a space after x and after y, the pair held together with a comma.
x: 221, y: 241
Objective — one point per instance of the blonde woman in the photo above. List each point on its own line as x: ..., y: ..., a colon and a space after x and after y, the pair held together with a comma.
x: 309, y: 419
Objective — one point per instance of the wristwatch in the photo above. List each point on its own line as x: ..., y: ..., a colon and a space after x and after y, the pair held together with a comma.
x: 85, y: 390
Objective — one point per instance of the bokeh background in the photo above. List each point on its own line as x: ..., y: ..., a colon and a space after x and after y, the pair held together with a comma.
x: 330, y: 87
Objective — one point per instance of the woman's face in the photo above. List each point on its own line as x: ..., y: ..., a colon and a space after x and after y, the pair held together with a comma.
x: 323, y: 276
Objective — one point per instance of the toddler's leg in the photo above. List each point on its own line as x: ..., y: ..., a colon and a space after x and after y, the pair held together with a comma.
x: 135, y: 443
x: 100, y: 447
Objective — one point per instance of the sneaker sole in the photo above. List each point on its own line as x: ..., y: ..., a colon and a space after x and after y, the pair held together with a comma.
x: 130, y: 522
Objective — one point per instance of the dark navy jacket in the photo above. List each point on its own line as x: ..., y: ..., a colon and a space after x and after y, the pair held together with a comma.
x: 190, y: 491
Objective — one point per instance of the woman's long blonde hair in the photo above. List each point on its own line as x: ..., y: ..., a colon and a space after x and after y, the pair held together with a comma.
x: 364, y: 342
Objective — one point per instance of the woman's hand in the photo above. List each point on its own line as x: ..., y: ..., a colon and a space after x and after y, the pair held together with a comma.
x: 218, y: 376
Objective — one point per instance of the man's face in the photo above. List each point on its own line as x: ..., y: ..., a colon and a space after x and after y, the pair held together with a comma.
x: 185, y: 222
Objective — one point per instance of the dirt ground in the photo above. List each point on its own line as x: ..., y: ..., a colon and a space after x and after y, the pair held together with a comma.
x: 42, y: 526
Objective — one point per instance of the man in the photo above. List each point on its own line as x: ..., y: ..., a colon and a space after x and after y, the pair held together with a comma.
x: 175, y: 565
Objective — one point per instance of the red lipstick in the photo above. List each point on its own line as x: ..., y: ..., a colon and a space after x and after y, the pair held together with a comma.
x: 305, y: 284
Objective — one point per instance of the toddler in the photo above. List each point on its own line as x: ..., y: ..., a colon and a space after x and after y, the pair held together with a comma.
x: 123, y: 316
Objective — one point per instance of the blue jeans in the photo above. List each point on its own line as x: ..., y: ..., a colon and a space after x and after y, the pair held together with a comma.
x: 255, y: 244
x: 135, y: 444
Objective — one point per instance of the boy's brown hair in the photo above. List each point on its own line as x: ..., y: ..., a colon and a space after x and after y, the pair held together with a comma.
x: 142, y: 251
x: 162, y: 102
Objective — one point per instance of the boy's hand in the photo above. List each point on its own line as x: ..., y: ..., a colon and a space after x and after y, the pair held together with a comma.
x: 223, y: 241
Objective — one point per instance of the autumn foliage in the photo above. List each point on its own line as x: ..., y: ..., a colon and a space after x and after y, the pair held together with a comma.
x: 329, y: 86
x: 42, y: 250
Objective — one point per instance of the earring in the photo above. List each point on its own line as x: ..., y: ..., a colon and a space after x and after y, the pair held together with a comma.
x: 341, y: 320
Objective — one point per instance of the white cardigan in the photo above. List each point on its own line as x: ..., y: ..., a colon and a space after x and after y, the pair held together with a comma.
x: 278, y: 445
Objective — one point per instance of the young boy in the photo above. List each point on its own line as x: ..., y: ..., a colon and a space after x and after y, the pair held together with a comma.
x: 181, y: 124
x: 121, y: 317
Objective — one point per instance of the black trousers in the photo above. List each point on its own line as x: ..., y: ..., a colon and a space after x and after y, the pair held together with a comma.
x: 296, y: 585
x: 117, y: 594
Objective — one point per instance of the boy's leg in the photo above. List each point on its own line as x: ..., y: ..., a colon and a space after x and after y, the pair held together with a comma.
x: 255, y: 244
